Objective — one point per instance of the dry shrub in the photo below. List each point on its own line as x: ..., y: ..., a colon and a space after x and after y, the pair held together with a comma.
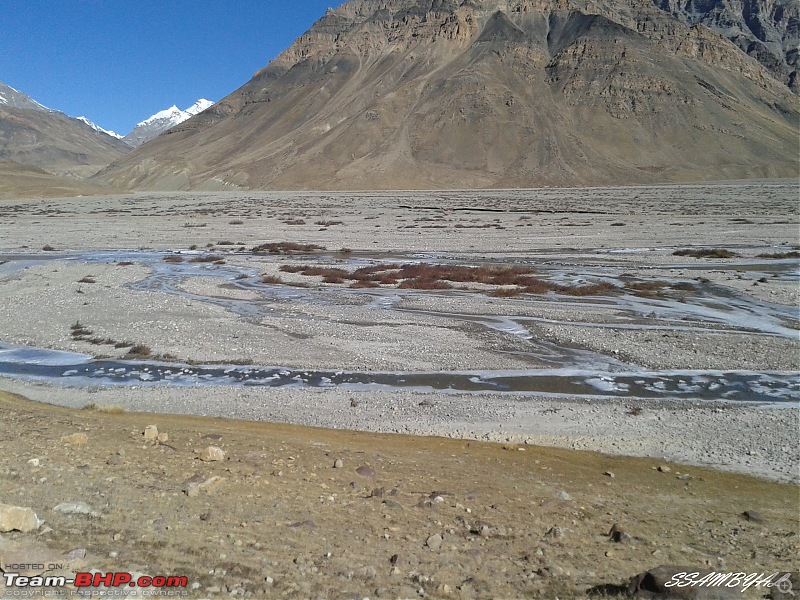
x: 272, y: 279
x: 286, y: 248
x: 706, y: 253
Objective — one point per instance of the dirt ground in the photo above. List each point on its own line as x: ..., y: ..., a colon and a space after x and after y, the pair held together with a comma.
x: 401, y: 516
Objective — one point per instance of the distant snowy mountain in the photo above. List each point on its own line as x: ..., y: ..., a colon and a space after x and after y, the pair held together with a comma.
x: 98, y: 128
x: 162, y: 121
x: 15, y: 99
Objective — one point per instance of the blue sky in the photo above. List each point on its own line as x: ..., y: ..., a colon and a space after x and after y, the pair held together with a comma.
x: 119, y: 61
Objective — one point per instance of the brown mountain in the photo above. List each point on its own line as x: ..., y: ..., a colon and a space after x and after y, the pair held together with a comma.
x: 483, y: 93
x: 35, y: 136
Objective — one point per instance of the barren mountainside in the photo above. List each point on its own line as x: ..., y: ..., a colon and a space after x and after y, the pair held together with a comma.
x: 491, y: 93
x: 35, y: 136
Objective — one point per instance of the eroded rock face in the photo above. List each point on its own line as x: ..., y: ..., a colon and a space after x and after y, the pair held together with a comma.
x: 482, y: 93
x: 766, y: 30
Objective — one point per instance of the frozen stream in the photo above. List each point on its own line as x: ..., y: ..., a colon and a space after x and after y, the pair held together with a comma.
x: 573, y: 372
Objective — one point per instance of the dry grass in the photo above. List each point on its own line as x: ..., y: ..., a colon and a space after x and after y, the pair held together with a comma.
x: 706, y: 253
x: 271, y: 279
x: 108, y: 409
x: 510, y: 280
x: 285, y: 248
x: 206, y: 258
x: 173, y: 259
x: 780, y: 255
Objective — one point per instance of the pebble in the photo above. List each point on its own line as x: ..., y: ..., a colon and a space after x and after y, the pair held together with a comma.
x: 664, y: 469
x: 151, y: 432
x: 338, y: 463
x: 562, y: 495
x: 73, y: 508
x: 753, y: 516
x: 76, y: 554
x: 609, y: 474
x: 34, y: 462
x: 212, y: 454
x: 366, y: 471
x: 434, y: 542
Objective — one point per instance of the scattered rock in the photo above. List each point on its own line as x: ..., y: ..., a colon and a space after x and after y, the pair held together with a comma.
x: 338, y: 463
x: 753, y: 516
x: 163, y: 437
x: 212, y: 437
x: 554, y: 532
x: 307, y: 523
x: 366, y: 572
x: 18, y: 518
x: 618, y: 534
x: 391, y: 504
x: 434, y: 542
x: 366, y: 471
x: 212, y: 454
x: 609, y: 474
x: 562, y: 495
x: 34, y: 462
x: 151, y: 432
x: 73, y: 508
x: 664, y: 469
x: 76, y: 439
x: 76, y: 554
x: 210, y: 485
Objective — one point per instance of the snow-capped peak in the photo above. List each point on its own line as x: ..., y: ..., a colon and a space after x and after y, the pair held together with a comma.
x: 98, y: 128
x: 199, y: 106
x: 163, y: 120
x: 12, y: 97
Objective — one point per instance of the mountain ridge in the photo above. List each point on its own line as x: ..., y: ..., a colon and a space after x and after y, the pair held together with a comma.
x: 485, y: 94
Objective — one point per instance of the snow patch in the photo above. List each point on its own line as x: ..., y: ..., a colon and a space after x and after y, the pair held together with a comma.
x: 98, y: 128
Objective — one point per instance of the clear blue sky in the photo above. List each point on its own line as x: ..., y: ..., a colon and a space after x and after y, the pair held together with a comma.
x: 119, y: 61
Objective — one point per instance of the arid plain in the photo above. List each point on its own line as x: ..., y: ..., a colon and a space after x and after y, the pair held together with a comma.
x: 653, y: 322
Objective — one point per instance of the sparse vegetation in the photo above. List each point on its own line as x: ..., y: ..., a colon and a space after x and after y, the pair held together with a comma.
x: 108, y: 409
x: 271, y: 279
x: 780, y: 255
x: 87, y: 279
x: 706, y: 253
x: 140, y: 350
x: 48, y: 248
x: 206, y: 258
x: 422, y: 276
x: 285, y: 248
x: 173, y: 258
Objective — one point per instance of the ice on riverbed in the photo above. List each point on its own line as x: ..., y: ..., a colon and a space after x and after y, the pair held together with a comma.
x: 606, y: 384
x: 10, y: 353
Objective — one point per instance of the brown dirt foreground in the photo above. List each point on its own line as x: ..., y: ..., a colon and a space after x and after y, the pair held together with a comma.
x: 399, y: 517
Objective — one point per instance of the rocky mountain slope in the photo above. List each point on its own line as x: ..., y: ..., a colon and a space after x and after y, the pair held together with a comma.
x: 35, y: 136
x: 516, y: 93
x: 162, y: 121
x: 767, y: 30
